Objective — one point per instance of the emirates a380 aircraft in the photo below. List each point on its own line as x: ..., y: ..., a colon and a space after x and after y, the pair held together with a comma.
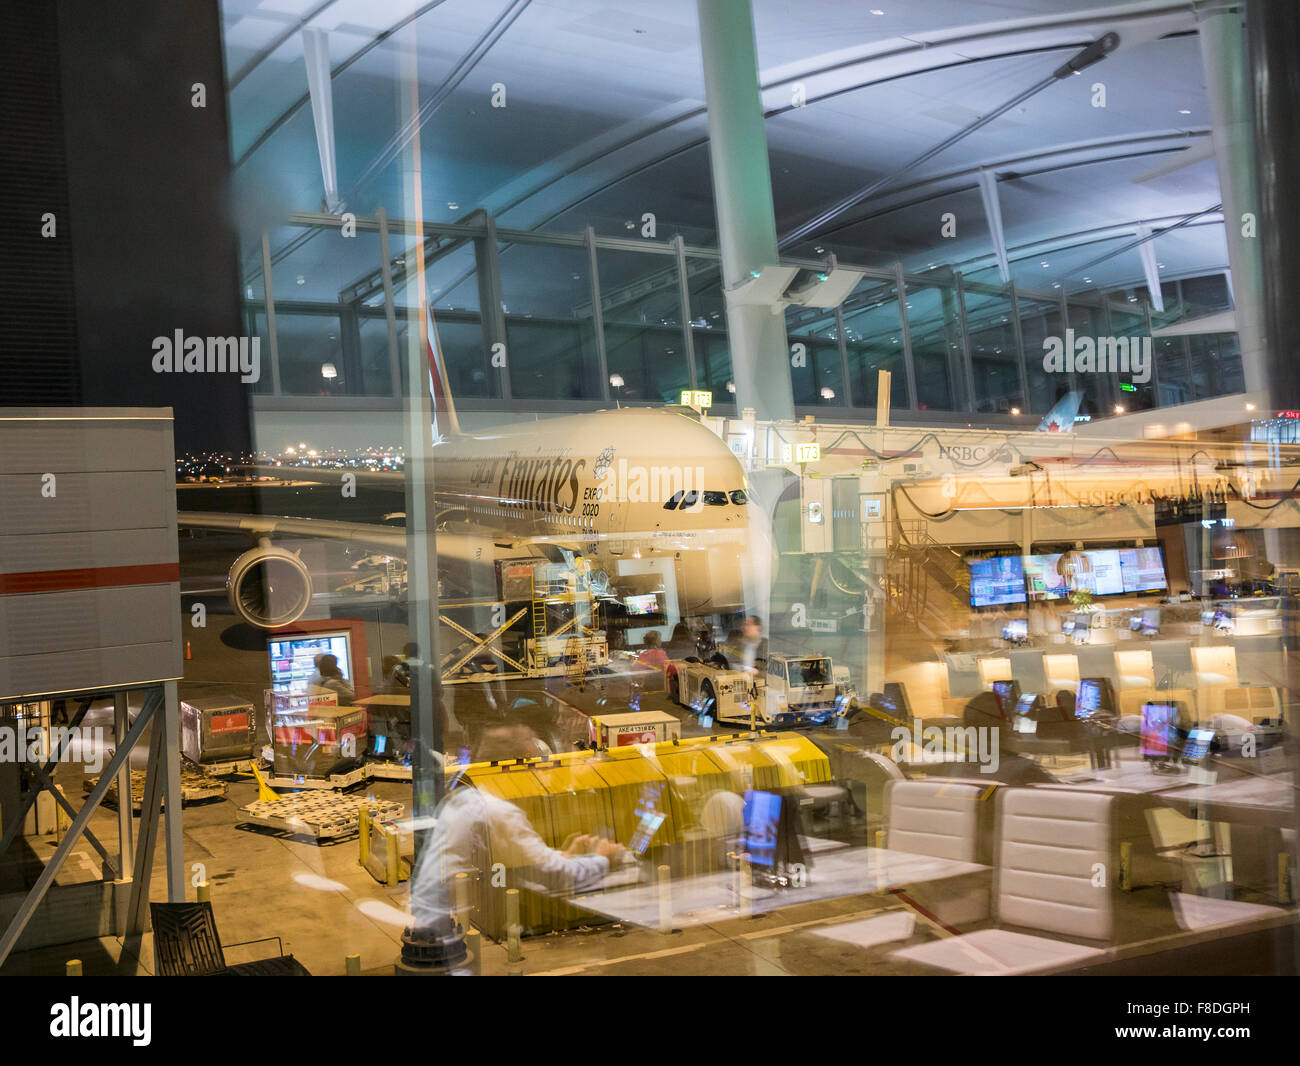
x: 635, y: 491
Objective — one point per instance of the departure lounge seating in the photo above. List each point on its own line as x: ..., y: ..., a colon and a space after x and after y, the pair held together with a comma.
x: 1057, y: 873
x: 944, y: 819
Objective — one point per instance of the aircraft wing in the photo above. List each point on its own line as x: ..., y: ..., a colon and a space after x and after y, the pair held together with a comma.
x: 330, y: 475
x: 389, y: 541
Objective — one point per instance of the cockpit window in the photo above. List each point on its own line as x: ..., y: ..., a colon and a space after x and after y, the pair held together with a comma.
x: 676, y: 499
x: 691, y: 498
x: 738, y: 496
x: 715, y: 499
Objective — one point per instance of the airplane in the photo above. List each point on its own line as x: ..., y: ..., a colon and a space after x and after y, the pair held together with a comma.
x: 1063, y: 415
x: 633, y: 491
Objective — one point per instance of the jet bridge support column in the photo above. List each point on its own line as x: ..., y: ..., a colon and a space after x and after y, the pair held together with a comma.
x: 742, y: 195
x: 1228, y: 86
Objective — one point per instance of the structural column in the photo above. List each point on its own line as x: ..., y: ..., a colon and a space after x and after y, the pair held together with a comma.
x: 742, y: 195
x: 1228, y: 86
x: 1274, y: 36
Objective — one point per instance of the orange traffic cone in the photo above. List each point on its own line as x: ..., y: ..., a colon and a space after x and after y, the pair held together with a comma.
x: 189, y: 653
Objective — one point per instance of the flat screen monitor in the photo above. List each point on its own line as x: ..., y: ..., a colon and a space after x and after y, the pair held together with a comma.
x: 293, y: 658
x: 1017, y: 629
x: 762, y: 821
x: 1026, y: 703
x: 1197, y: 746
x: 1042, y: 580
x: 1006, y: 693
x: 1087, y: 701
x: 1105, y: 574
x: 895, y: 695
x: 997, y: 581
x: 1159, y: 735
x: 1143, y: 569
x: 642, y: 605
x: 649, y: 817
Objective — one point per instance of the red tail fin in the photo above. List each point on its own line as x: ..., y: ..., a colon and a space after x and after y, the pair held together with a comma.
x: 444, y: 409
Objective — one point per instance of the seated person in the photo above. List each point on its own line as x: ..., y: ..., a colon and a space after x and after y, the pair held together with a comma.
x: 475, y: 830
x: 332, y: 680
x: 680, y: 643
x: 653, y: 654
x: 1065, y: 700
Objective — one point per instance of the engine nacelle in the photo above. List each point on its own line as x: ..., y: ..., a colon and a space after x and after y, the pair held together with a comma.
x: 269, y: 587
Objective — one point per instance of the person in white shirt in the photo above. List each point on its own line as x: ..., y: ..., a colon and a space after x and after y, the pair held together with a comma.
x: 475, y: 830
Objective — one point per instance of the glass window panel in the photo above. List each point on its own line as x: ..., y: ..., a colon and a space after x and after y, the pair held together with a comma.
x: 874, y: 335
x: 551, y: 343
x: 995, y: 358
x: 1039, y: 320
x: 311, y: 355
x: 1089, y: 321
x: 935, y: 329
x: 1135, y: 395
x: 641, y: 306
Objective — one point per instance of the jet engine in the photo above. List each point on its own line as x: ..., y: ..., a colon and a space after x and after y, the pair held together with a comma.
x: 269, y: 586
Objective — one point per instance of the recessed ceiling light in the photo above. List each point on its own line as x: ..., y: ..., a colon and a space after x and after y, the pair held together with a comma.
x: 1087, y: 281
x: 452, y: 205
x: 876, y: 11
x: 1183, y: 111
x: 1043, y: 264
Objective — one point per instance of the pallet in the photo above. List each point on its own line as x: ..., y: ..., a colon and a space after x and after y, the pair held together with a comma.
x: 389, y: 771
x: 226, y: 768
x: 195, y: 788
x: 339, y: 781
x: 320, y: 815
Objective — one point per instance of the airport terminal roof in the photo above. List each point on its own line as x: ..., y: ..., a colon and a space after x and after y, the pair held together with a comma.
x: 604, y: 120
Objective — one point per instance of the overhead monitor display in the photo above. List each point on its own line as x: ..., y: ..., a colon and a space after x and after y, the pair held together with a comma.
x: 642, y: 605
x: 293, y: 658
x: 997, y: 581
x: 1043, y: 580
x: 1104, y: 577
x: 1143, y: 569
